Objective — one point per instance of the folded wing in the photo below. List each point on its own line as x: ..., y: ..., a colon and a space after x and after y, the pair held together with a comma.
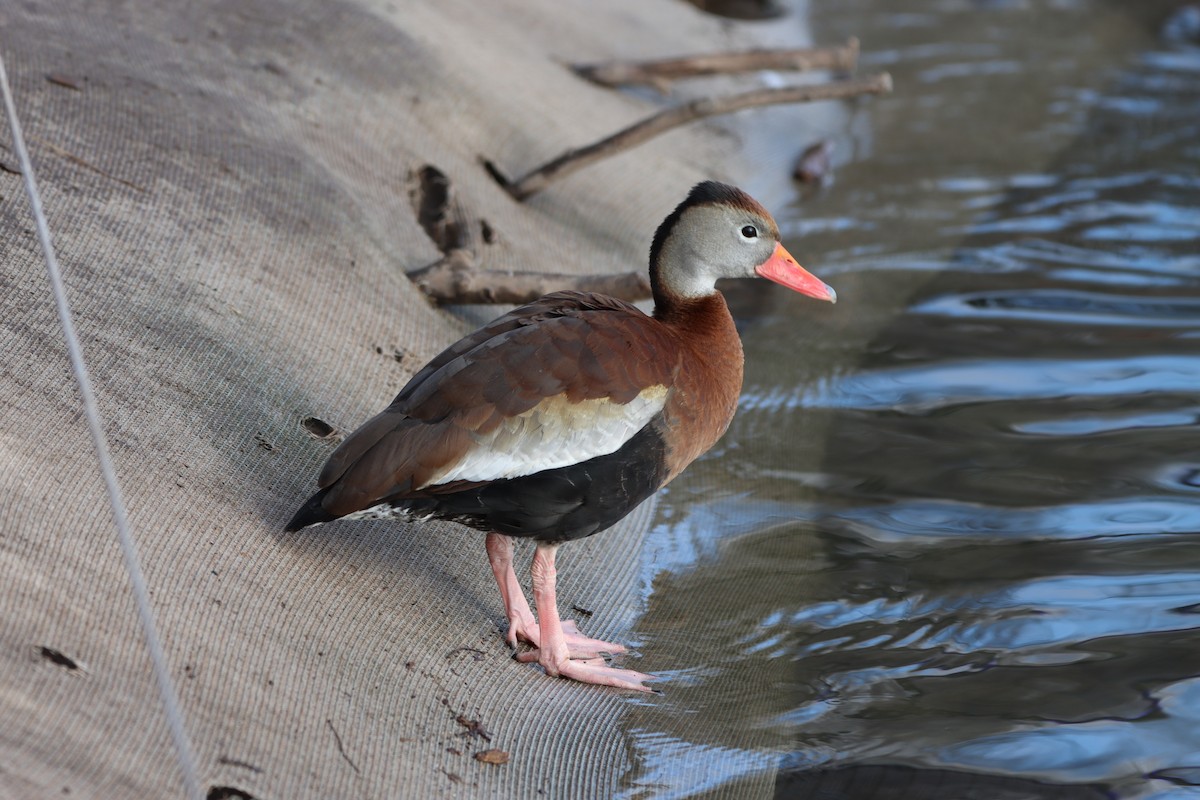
x: 545, y: 386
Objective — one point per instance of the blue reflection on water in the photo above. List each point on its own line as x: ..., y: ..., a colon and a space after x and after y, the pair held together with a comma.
x: 955, y: 525
x: 929, y: 520
x: 928, y: 387
x: 1062, y: 611
x: 1096, y: 750
x: 1067, y: 306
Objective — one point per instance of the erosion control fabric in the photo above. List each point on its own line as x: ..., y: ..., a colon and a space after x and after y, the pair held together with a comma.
x: 234, y: 191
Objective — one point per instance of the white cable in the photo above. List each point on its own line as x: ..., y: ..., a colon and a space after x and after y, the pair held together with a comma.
x: 166, y: 687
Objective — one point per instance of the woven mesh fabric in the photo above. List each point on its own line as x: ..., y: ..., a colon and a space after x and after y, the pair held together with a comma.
x: 229, y: 185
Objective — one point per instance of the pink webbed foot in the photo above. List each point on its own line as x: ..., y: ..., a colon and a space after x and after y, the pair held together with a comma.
x: 578, y: 645
x: 595, y: 670
x: 521, y: 630
x: 522, y: 625
x: 562, y: 650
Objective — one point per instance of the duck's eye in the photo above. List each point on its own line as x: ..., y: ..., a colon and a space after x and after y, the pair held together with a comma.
x: 750, y: 232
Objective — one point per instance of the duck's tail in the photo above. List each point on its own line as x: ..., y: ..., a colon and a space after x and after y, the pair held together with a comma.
x: 311, y: 513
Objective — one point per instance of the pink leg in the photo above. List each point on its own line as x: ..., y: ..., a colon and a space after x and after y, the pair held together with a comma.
x: 521, y: 622
x: 554, y: 653
x: 522, y: 625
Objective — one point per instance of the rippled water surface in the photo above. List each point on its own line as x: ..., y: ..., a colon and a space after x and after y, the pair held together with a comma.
x: 951, y: 546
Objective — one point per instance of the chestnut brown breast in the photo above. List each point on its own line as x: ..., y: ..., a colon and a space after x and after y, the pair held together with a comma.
x: 705, y: 394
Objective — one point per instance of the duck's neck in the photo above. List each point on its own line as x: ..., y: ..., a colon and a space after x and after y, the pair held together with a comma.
x: 697, y: 312
x: 706, y: 390
x: 703, y: 315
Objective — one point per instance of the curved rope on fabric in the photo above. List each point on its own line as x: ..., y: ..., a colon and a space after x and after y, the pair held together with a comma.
x: 166, y: 686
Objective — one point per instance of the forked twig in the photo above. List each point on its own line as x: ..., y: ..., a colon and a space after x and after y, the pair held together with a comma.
x: 668, y: 119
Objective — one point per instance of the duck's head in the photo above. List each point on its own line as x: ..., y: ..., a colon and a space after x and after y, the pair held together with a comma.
x: 719, y: 231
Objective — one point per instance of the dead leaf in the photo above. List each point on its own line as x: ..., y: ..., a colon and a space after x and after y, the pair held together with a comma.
x: 492, y: 756
x: 67, y: 82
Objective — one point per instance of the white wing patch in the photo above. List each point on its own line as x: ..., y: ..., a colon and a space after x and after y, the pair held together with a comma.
x: 554, y: 433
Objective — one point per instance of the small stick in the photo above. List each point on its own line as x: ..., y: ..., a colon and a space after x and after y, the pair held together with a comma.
x: 657, y: 124
x: 659, y: 73
x: 338, y: 740
x: 456, y: 279
x: 53, y: 148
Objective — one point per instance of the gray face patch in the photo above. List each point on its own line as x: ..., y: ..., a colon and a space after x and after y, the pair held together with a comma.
x: 707, y: 244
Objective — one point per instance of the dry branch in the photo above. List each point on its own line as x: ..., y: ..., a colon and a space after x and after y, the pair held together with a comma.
x: 69, y: 156
x: 661, y: 72
x: 576, y: 159
x: 456, y: 279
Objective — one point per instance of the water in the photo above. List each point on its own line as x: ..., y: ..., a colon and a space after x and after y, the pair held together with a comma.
x: 950, y: 546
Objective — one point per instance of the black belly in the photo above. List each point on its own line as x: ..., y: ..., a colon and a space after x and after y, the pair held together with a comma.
x: 558, y: 504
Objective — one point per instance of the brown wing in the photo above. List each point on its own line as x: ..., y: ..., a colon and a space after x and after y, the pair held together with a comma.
x: 550, y: 383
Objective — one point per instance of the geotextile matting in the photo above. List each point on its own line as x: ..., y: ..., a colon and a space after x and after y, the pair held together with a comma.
x: 232, y: 189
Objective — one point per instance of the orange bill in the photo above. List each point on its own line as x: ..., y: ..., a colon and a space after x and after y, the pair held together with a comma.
x: 784, y: 270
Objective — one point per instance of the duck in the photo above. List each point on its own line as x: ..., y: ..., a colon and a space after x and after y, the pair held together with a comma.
x: 557, y: 419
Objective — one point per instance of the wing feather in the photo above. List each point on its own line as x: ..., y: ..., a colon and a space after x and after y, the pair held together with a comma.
x: 561, y: 380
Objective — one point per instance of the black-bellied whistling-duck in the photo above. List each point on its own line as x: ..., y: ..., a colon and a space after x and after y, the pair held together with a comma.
x: 557, y: 419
